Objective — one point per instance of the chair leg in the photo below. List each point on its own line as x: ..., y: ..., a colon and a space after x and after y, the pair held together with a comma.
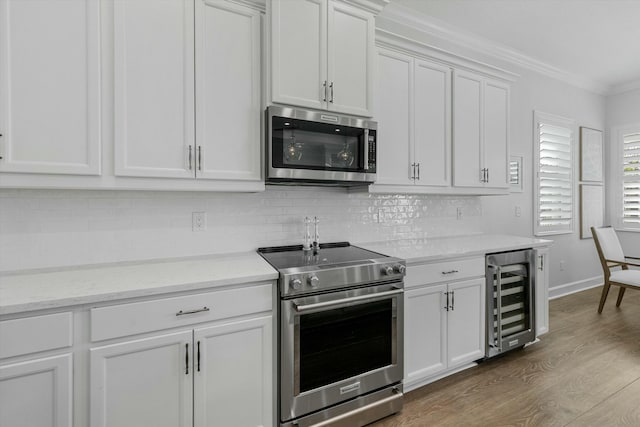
x: 620, y: 295
x: 603, y: 298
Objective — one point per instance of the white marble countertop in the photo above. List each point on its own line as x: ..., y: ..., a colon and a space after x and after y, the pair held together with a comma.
x: 86, y: 285
x: 30, y: 291
x: 440, y: 248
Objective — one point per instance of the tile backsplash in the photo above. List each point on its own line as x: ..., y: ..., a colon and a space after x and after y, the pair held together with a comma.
x: 40, y: 229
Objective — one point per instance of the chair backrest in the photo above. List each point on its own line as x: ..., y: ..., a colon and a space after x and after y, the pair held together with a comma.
x: 607, y: 245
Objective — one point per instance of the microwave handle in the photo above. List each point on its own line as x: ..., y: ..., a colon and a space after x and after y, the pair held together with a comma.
x: 366, y: 149
x: 346, y: 302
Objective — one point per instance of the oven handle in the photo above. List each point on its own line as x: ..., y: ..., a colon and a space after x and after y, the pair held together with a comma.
x: 346, y: 302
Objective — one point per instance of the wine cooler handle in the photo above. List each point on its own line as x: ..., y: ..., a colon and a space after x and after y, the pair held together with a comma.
x: 497, y: 284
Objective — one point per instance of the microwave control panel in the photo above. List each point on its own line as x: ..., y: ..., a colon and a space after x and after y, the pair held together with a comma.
x: 371, y: 155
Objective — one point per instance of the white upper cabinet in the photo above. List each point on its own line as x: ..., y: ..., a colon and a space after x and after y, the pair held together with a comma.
x: 299, y: 52
x: 322, y: 55
x: 228, y: 107
x: 394, y: 114
x: 187, y: 92
x: 432, y: 128
x: 414, y: 116
x: 50, y: 86
x: 481, y: 132
x: 154, y: 81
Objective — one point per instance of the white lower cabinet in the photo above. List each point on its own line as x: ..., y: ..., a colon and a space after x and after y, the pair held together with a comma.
x: 233, y: 381
x: 444, y: 328
x: 212, y: 376
x: 146, y: 382
x: 37, y: 392
x: 542, y: 291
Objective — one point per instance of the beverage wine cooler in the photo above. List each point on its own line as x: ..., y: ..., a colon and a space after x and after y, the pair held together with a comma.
x: 510, y: 300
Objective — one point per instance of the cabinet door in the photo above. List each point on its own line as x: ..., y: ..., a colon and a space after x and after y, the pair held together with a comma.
x: 425, y: 337
x: 496, y: 134
x: 233, y: 378
x: 50, y: 86
x: 154, y: 88
x: 394, y: 112
x: 299, y: 52
x: 542, y: 291
x: 467, y: 130
x: 37, y: 393
x: 228, y: 108
x: 350, y: 59
x: 147, y: 382
x: 466, y: 322
x: 432, y: 118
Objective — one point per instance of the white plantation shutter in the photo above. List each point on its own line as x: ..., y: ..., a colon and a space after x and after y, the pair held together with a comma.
x: 631, y: 180
x: 554, y: 189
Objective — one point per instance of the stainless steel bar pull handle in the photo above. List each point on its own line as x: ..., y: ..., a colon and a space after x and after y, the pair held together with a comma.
x: 331, y: 87
x: 189, y: 154
x: 541, y: 262
x: 413, y: 171
x: 446, y: 305
x: 324, y: 91
x: 186, y: 359
x: 346, y: 301
x: 453, y: 300
x: 199, y: 157
x: 198, y: 356
x: 450, y: 272
x: 366, y: 149
x: 418, y: 164
x: 197, y: 310
x: 487, y: 175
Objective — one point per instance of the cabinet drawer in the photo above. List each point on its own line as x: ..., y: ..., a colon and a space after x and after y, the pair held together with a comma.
x: 135, y: 318
x: 444, y: 271
x: 33, y: 334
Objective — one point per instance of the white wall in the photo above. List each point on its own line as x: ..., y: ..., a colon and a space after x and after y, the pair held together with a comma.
x: 622, y: 109
x: 533, y: 91
x: 40, y: 229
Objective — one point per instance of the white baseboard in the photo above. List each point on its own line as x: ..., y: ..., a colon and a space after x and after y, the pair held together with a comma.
x: 573, y: 287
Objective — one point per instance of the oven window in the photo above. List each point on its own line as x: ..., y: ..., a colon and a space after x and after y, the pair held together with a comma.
x: 341, y: 343
x: 300, y: 144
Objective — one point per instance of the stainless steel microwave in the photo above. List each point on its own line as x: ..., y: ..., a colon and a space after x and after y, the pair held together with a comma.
x: 319, y: 148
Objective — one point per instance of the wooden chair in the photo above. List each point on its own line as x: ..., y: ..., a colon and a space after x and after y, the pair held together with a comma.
x: 611, y: 256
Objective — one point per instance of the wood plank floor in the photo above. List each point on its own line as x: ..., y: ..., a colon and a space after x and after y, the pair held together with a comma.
x: 585, y: 372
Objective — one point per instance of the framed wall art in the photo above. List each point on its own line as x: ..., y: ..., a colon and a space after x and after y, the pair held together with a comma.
x: 591, y: 208
x: 591, y: 155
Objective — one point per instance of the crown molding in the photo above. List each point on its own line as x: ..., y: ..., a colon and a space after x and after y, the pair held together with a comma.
x: 373, y: 6
x: 624, y: 87
x: 423, y: 23
x: 259, y: 5
x: 396, y: 42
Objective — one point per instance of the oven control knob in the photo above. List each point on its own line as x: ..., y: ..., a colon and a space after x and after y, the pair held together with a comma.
x: 313, y: 281
x: 296, y: 284
x: 399, y: 268
x: 388, y: 270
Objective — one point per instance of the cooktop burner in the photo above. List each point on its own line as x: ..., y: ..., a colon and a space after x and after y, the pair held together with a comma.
x: 329, y: 254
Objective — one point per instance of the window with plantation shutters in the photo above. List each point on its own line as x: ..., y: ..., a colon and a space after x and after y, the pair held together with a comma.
x: 554, y: 191
x: 631, y: 179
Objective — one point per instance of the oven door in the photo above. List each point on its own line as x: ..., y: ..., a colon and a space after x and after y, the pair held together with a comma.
x: 338, y: 346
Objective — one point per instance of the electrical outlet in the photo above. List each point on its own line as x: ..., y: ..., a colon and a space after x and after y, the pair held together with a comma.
x: 458, y: 213
x: 198, y: 221
x: 518, y: 211
x: 562, y: 264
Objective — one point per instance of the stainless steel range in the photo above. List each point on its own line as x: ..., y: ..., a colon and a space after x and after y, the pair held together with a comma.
x: 340, y: 334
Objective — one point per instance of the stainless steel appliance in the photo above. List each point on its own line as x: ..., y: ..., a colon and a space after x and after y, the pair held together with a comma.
x: 511, y: 278
x: 340, y: 334
x: 309, y: 147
